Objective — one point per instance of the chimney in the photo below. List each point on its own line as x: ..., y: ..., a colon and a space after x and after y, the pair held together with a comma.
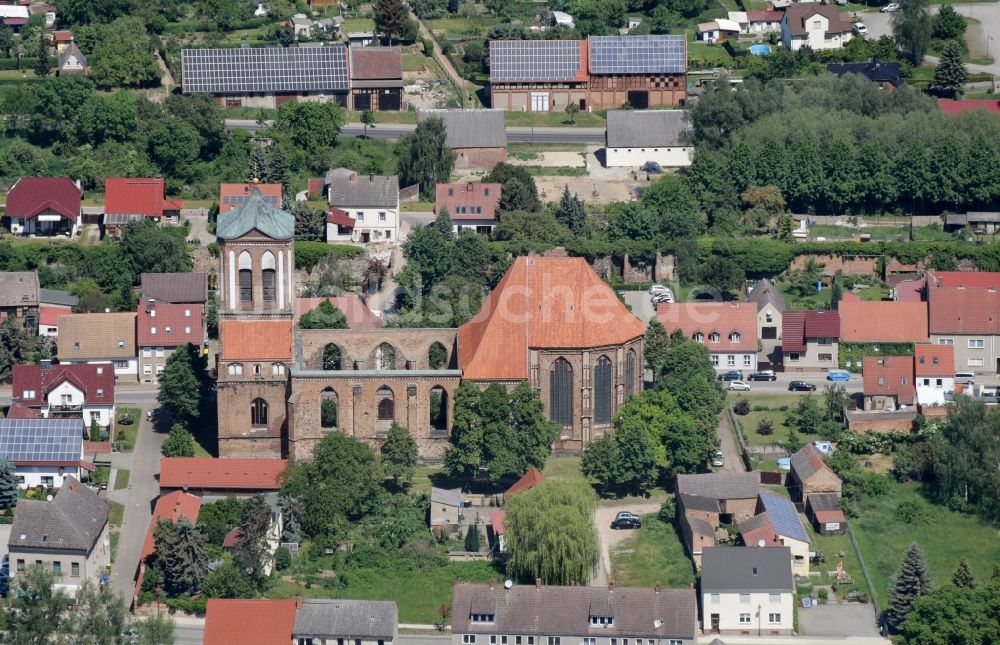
x: 538, y: 583
x: 353, y: 177
x: 611, y: 585
x: 46, y: 364
x: 657, y: 587
x: 371, y: 177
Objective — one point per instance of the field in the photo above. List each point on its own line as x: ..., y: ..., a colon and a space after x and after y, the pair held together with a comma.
x: 655, y: 554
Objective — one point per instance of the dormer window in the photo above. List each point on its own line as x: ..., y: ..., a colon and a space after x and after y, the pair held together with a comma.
x: 152, y: 313
x: 121, y: 345
x: 167, y: 330
x: 734, y: 337
x: 602, y: 621
x: 100, y: 391
x: 482, y: 618
x: 699, y: 337
x: 713, y: 337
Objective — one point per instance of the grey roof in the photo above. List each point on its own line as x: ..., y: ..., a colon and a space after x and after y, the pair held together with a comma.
x: 698, y: 503
x: 337, y: 172
x: 661, y: 54
x: 471, y: 128
x: 720, y: 485
x: 256, y: 213
x: 177, y: 288
x: 767, y: 293
x: 566, y: 611
x: 981, y: 216
x: 646, y: 128
x: 249, y: 70
x: 347, y: 619
x: 72, y: 50
x: 449, y: 496
x: 41, y: 440
x: 784, y: 518
x: 73, y: 520
x: 824, y: 501
x: 746, y: 569
x: 18, y: 289
x: 699, y: 526
x: 364, y: 190
x: 57, y: 297
x: 807, y: 462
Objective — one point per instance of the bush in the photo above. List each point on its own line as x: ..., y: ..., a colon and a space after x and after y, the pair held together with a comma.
x: 282, y: 558
x: 668, y: 511
x: 824, y: 595
x: 911, y: 512
x: 194, y: 606
x: 428, y: 47
x: 742, y: 407
x: 765, y: 427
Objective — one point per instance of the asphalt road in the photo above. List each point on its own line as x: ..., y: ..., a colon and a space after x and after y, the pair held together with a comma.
x: 191, y: 633
x: 393, y: 131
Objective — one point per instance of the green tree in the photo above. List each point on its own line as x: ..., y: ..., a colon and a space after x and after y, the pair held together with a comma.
x: 517, y: 188
x: 835, y: 400
x: 950, y: 74
x: 551, y: 534
x: 256, y: 165
x: 218, y: 518
x: 391, y: 18
x: 541, y: 228
x: 657, y: 344
x: 837, y: 290
x: 572, y: 109
x: 325, y: 315
x: 174, y: 146
x: 155, y: 629
x: 424, y: 157
x: 43, y: 64
x: 228, y: 581
x: 723, y: 274
x: 181, y: 556
x: 951, y: 615
x: 8, y: 484
x: 947, y: 24
x: 112, y: 117
x: 183, y: 384
x: 965, y: 447
x: 963, y: 576
x: 472, y: 539
x: 444, y: 224
x: 277, y: 167
x: 179, y: 443
x: 570, y: 212
x: 7, y: 43
x: 368, y: 120
x: 123, y: 56
x: 807, y: 416
x: 328, y: 413
x: 911, y: 27
x: 912, y: 581
x: 100, y: 617
x: 399, y: 456
x: 35, y: 611
x: 500, y: 432
x: 253, y: 552
x: 624, y: 459
x: 786, y: 224
x: 310, y: 223
x: 310, y: 125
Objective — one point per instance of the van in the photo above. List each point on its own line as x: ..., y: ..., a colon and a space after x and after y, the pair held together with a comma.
x: 838, y: 375
x: 965, y: 378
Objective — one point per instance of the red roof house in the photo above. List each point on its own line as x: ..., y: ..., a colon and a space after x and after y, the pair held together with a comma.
x: 233, y: 195
x: 868, y: 321
x: 888, y: 381
x: 963, y: 310
x: 261, y: 622
x: 159, y: 324
x: 528, y: 481
x: 34, y: 383
x: 934, y: 360
x: 468, y: 201
x: 134, y: 198
x: 727, y: 329
x: 172, y: 506
x: 209, y: 476
x: 809, y: 339
x: 44, y: 205
x: 358, y: 315
x: 952, y: 107
x: 963, y: 279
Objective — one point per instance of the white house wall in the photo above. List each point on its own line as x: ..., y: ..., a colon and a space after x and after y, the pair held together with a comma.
x: 671, y: 157
x: 33, y: 474
x: 729, y: 606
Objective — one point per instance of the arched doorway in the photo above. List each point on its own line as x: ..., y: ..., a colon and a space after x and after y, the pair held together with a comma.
x: 438, y: 411
x: 328, y: 410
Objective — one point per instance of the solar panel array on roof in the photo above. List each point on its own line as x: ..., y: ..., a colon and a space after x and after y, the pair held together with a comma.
x: 241, y: 199
x: 41, y: 439
x: 784, y: 517
x: 534, y: 60
x: 250, y: 70
x: 637, y: 55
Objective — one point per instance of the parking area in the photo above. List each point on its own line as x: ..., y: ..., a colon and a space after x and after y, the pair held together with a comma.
x: 838, y: 621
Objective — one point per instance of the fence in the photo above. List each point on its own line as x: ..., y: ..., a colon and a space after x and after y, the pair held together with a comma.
x: 738, y: 431
x: 864, y: 572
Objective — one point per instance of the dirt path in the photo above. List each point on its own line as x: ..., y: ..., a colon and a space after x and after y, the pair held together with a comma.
x: 466, y: 88
x: 609, y: 537
x: 727, y: 442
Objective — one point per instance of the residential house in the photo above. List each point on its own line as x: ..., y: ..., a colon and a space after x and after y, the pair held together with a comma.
x: 735, y: 493
x: 67, y: 536
x: 325, y: 621
x: 758, y: 22
x: 376, y: 78
x: 934, y: 373
x: 635, y: 137
x: 171, y: 508
x: 357, y: 313
x: 162, y: 328
x: 825, y: 513
x: 809, y: 340
x: 471, y: 206
x: 300, y: 25
x: 339, y: 226
x: 597, y: 74
x: 874, y: 324
x: 100, y: 338
x: 44, y: 206
x: 257, y: 621
x: 777, y: 524
x: 489, y: 613
x: 235, y: 195
x: 372, y: 201
x: 727, y: 329
x: 718, y: 30
x: 952, y: 107
x: 84, y: 392
x: 331, y: 26
x: 135, y: 200
x: 213, y: 478
x: 885, y: 75
x: 19, y: 298
x: 72, y: 61
x: 888, y: 382
x: 446, y: 506
x: 809, y: 475
x: 45, y: 452
x: 747, y: 591
x: 529, y: 480
x: 770, y: 309
x: 478, y: 137
x: 816, y: 26
x: 174, y: 288
x: 61, y: 39
x: 964, y: 313
x: 14, y: 16
x: 53, y: 303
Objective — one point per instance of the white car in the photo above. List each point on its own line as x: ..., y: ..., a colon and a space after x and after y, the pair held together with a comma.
x: 658, y: 288
x: 739, y: 385
x: 889, y: 8
x: 860, y: 29
x: 718, y: 459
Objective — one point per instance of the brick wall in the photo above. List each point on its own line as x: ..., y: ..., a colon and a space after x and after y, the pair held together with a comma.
x: 635, y: 272
x: 359, y: 346
x: 479, y: 157
x: 854, y: 265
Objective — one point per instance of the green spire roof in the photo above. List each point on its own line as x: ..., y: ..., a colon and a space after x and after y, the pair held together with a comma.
x: 256, y: 213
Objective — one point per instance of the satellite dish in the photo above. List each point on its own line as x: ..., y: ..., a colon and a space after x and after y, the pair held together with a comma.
x: 48, y: 498
x: 657, y: 623
x: 507, y: 584
x: 761, y: 543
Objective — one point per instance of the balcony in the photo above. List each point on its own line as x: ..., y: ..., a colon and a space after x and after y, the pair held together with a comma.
x: 65, y: 409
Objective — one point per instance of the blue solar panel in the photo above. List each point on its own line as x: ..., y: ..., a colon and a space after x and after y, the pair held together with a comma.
x: 41, y: 439
x: 638, y: 55
x: 264, y: 70
x: 534, y: 60
x: 784, y: 517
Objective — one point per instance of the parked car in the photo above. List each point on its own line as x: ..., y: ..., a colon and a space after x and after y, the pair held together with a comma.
x: 764, y: 375
x: 626, y: 520
x: 889, y: 8
x: 860, y: 29
x: 801, y: 386
x: 739, y: 385
x: 965, y: 378
x: 718, y: 459
x: 658, y: 288
x: 652, y: 168
x: 731, y: 376
x: 838, y: 375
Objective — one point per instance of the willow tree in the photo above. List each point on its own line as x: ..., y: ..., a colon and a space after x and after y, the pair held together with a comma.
x: 551, y: 533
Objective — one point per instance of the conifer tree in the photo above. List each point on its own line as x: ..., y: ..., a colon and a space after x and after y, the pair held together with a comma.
x: 444, y: 222
x: 912, y: 581
x: 571, y: 212
x: 950, y: 74
x: 963, y: 576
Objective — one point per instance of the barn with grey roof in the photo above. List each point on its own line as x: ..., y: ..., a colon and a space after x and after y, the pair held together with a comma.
x: 635, y: 137
x: 346, y: 621
x: 478, y: 137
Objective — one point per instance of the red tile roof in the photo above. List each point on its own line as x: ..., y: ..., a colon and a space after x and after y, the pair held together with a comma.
x: 30, y: 196
x: 826, y: 517
x: 462, y: 200
x: 530, y: 479
x: 765, y: 15
x: 822, y: 324
x: 133, y: 196
x: 339, y: 217
x: 910, y: 290
x: 174, y: 324
x: 797, y: 16
x: 952, y: 107
x: 496, y: 520
x: 18, y: 411
x: 889, y: 376
x: 232, y: 539
x: 542, y: 303
x: 62, y: 35
x: 707, y: 318
x: 200, y: 473
x: 256, y: 340
x: 171, y: 506
x: 49, y: 316
x: 261, y: 622
x: 759, y: 528
x: 358, y: 315
x: 376, y: 63
x: 233, y: 195
x: 934, y: 360
x: 968, y: 279
x: 793, y: 331
x: 883, y: 322
x: 964, y: 310
x: 96, y: 381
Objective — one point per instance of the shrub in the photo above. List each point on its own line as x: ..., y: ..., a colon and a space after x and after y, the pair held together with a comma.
x: 668, y: 511
x: 742, y: 407
x: 188, y: 605
x: 428, y: 47
x: 824, y: 595
x: 765, y: 427
x: 282, y: 558
x: 911, y: 512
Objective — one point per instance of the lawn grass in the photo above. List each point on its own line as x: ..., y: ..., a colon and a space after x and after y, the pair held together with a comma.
x: 708, y: 55
x: 116, y: 514
x: 831, y: 546
x: 422, y: 478
x: 556, y: 171
x: 414, y: 62
x: 523, y: 147
x: 460, y: 26
x: 354, y: 25
x: 417, y: 207
x: 121, y: 478
x: 200, y: 450
x: 114, y: 537
x: 554, y: 119
x: 563, y: 467
x: 945, y: 537
x: 655, y: 554
x: 130, y: 431
x: 750, y: 421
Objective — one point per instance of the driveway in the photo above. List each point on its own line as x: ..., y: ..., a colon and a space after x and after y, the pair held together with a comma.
x: 638, y: 302
x: 198, y: 217
x: 732, y: 462
x: 839, y: 621
x: 609, y: 537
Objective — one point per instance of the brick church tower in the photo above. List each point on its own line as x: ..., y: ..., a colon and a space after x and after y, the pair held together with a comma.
x: 256, y: 306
